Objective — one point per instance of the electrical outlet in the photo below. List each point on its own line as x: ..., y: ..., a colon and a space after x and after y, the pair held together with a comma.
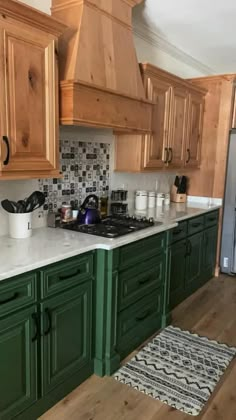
x: 226, y: 262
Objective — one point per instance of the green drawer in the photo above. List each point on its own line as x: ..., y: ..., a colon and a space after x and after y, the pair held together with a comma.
x: 178, y: 233
x: 140, y: 280
x: 195, y: 225
x: 60, y: 276
x: 141, y: 250
x: 138, y: 322
x: 211, y: 219
x: 17, y: 293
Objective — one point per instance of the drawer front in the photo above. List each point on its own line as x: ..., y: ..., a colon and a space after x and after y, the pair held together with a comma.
x: 63, y: 275
x: 17, y: 293
x: 178, y: 233
x: 141, y: 250
x: 195, y: 225
x: 138, y: 322
x: 211, y: 219
x: 140, y: 280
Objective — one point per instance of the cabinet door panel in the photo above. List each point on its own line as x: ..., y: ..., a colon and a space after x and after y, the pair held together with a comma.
x: 194, y: 263
x: 209, y: 253
x: 67, y: 332
x: 18, y: 367
x: 155, y: 144
x: 29, y: 88
x: 178, y: 124
x: 195, y: 125
x: 177, y: 256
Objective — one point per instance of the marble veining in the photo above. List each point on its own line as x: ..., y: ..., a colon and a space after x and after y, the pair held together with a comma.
x: 48, y: 246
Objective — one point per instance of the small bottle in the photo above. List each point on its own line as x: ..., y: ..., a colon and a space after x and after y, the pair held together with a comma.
x: 104, y: 205
x: 141, y: 200
x: 151, y: 199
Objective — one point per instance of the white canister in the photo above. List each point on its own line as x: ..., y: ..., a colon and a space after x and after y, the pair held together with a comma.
x: 167, y: 199
x: 20, y: 225
x: 141, y: 200
x: 151, y: 199
x: 160, y: 199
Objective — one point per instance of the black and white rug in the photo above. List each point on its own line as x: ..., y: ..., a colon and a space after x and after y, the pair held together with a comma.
x: 178, y: 368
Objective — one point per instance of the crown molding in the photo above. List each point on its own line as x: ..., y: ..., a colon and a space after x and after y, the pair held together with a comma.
x: 144, y: 32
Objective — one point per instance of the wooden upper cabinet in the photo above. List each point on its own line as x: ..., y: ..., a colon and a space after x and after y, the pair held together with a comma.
x: 194, y: 133
x: 234, y: 109
x: 156, y: 144
x: 177, y: 121
x: 178, y: 126
x: 29, y: 100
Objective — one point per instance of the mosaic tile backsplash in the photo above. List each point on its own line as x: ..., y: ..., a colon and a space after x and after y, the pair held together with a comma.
x: 86, y: 170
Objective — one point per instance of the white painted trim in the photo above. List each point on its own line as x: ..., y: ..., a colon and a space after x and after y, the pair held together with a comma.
x: 144, y: 32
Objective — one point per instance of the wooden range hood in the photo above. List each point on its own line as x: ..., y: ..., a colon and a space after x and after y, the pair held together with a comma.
x: 101, y: 84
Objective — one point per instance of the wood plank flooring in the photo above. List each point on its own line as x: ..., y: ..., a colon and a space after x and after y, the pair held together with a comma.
x: 210, y: 312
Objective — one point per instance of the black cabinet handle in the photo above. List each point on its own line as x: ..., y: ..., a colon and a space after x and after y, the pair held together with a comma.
x: 144, y: 316
x: 37, y: 327
x: 14, y: 297
x: 166, y: 158
x: 177, y: 232
x: 70, y: 275
x: 6, y: 161
x: 190, y: 248
x: 170, y: 155
x: 189, y: 156
x: 48, y: 330
x: 197, y: 224
x: 147, y: 280
x: 212, y: 219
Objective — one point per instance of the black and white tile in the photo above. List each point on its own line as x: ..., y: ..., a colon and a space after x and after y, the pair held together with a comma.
x: 86, y: 170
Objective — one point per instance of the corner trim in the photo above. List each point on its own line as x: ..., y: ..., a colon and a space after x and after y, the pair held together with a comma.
x: 144, y: 32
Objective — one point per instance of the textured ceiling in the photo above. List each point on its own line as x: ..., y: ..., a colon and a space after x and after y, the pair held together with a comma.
x: 204, y: 29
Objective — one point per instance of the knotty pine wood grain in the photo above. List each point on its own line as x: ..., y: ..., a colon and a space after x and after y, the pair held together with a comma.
x: 210, y: 312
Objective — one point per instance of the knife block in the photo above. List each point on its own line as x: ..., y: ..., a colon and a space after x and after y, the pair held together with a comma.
x: 177, y: 197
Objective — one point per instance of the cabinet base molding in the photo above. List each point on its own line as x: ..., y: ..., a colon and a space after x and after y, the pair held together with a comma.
x: 48, y: 401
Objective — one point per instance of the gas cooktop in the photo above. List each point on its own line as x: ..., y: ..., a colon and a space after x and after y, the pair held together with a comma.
x: 113, y: 226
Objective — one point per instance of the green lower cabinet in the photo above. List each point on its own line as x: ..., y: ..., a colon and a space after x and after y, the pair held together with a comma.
x: 18, y: 366
x: 193, y: 263
x: 177, y: 255
x: 66, y: 344
x: 209, y: 253
x: 138, y: 322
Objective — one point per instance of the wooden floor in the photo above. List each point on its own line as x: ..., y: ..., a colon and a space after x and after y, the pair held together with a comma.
x: 210, y: 312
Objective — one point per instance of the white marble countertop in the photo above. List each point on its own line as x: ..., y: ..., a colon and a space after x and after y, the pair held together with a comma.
x: 48, y: 245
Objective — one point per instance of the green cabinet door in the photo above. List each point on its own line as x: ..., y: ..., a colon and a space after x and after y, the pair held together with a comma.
x: 18, y: 363
x: 209, y: 253
x: 193, y: 274
x: 66, y: 336
x: 177, y: 256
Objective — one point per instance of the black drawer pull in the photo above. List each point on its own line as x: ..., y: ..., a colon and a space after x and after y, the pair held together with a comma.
x: 144, y: 316
x: 177, y: 232
x: 37, y: 327
x: 70, y: 275
x: 212, y: 219
x: 6, y: 161
x: 14, y: 297
x: 144, y: 281
x: 196, y: 224
x: 48, y: 330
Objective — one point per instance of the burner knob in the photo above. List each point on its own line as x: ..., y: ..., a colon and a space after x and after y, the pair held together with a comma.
x: 151, y: 221
x: 134, y: 218
x: 144, y: 219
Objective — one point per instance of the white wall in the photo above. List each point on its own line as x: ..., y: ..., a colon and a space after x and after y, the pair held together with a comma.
x: 16, y: 190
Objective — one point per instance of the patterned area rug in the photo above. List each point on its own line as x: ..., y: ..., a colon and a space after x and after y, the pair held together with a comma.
x: 178, y: 368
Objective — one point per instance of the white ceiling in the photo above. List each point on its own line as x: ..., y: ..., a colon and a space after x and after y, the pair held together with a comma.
x: 204, y: 29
